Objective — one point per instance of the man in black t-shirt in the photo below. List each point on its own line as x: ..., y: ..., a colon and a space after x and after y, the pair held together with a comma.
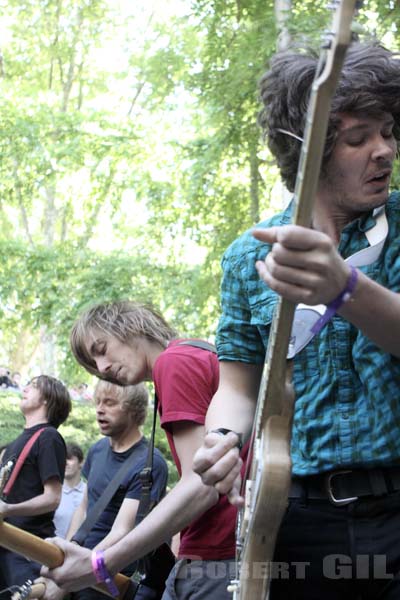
x: 36, y: 493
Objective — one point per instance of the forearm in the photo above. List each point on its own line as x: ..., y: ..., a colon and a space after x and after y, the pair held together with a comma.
x: 186, y: 502
x: 38, y: 505
x: 118, y: 531
x: 77, y: 519
x: 375, y: 310
x: 231, y: 410
x: 233, y: 405
x: 111, y: 538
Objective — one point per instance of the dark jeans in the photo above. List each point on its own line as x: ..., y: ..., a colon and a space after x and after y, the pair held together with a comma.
x: 338, y: 553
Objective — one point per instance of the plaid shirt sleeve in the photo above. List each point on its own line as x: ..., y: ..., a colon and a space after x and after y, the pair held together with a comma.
x: 247, y: 304
x: 237, y: 339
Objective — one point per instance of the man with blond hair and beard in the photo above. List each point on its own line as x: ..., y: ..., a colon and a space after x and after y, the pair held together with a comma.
x: 36, y: 492
x: 120, y: 413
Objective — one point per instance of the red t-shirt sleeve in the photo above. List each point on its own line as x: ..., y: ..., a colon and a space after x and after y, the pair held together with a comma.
x: 185, y: 380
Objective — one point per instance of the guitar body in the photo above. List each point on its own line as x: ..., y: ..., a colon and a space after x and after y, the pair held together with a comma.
x: 274, y: 467
x: 268, y: 485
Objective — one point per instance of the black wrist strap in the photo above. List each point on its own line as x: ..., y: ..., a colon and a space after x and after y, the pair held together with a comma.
x: 224, y: 431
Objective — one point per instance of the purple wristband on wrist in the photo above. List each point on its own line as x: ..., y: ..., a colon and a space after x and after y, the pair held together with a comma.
x: 101, y: 573
x: 334, y: 306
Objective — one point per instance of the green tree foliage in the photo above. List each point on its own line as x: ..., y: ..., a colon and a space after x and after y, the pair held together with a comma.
x: 131, y: 156
x: 53, y: 286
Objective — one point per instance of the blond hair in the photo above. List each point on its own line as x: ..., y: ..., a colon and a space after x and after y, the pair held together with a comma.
x: 134, y: 398
x: 123, y: 320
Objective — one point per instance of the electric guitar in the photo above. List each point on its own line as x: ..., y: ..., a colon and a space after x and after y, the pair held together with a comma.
x: 32, y: 547
x: 268, y: 485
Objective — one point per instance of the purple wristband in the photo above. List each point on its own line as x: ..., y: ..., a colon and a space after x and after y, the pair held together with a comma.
x: 101, y: 573
x: 334, y: 306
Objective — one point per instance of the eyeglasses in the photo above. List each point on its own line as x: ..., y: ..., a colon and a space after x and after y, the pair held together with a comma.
x: 293, y: 135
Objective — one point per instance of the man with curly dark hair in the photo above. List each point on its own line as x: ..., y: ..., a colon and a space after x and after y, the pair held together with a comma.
x: 343, y: 518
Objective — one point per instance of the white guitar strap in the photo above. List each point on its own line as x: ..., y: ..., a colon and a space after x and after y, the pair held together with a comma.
x: 305, y: 316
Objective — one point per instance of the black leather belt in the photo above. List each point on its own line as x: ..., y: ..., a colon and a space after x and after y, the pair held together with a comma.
x: 346, y: 486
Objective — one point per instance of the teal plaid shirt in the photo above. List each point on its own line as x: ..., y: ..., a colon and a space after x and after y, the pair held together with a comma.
x: 347, y: 409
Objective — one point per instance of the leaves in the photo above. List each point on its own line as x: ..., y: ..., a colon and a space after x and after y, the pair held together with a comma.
x: 131, y: 156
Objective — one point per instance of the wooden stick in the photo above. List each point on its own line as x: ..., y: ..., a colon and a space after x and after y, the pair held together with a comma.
x: 32, y: 547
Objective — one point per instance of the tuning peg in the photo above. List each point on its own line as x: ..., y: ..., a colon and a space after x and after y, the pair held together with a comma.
x: 333, y: 4
x: 233, y: 587
x: 327, y: 38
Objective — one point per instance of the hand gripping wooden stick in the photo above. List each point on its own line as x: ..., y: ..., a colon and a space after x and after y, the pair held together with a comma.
x: 32, y: 547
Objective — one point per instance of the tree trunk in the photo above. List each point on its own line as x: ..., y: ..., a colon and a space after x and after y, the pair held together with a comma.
x: 282, y: 9
x: 254, y: 180
x: 48, y: 364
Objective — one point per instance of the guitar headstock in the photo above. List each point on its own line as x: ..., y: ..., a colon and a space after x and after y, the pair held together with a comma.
x: 327, y: 75
x: 23, y: 591
x: 344, y: 11
x: 5, y: 473
x: 339, y: 37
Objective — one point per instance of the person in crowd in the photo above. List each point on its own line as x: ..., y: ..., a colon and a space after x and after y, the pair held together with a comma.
x: 73, y: 489
x: 16, y: 380
x: 127, y: 343
x: 36, y: 492
x: 345, y: 494
x: 85, y: 392
x: 5, y: 380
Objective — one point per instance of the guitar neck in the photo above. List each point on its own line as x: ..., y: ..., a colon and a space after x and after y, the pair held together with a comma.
x: 34, y: 548
x: 271, y: 396
x: 268, y: 486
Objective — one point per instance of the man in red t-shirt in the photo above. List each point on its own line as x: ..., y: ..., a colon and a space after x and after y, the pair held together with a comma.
x: 127, y: 343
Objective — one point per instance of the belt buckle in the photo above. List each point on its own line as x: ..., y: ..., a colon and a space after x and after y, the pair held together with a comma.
x: 332, y: 499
